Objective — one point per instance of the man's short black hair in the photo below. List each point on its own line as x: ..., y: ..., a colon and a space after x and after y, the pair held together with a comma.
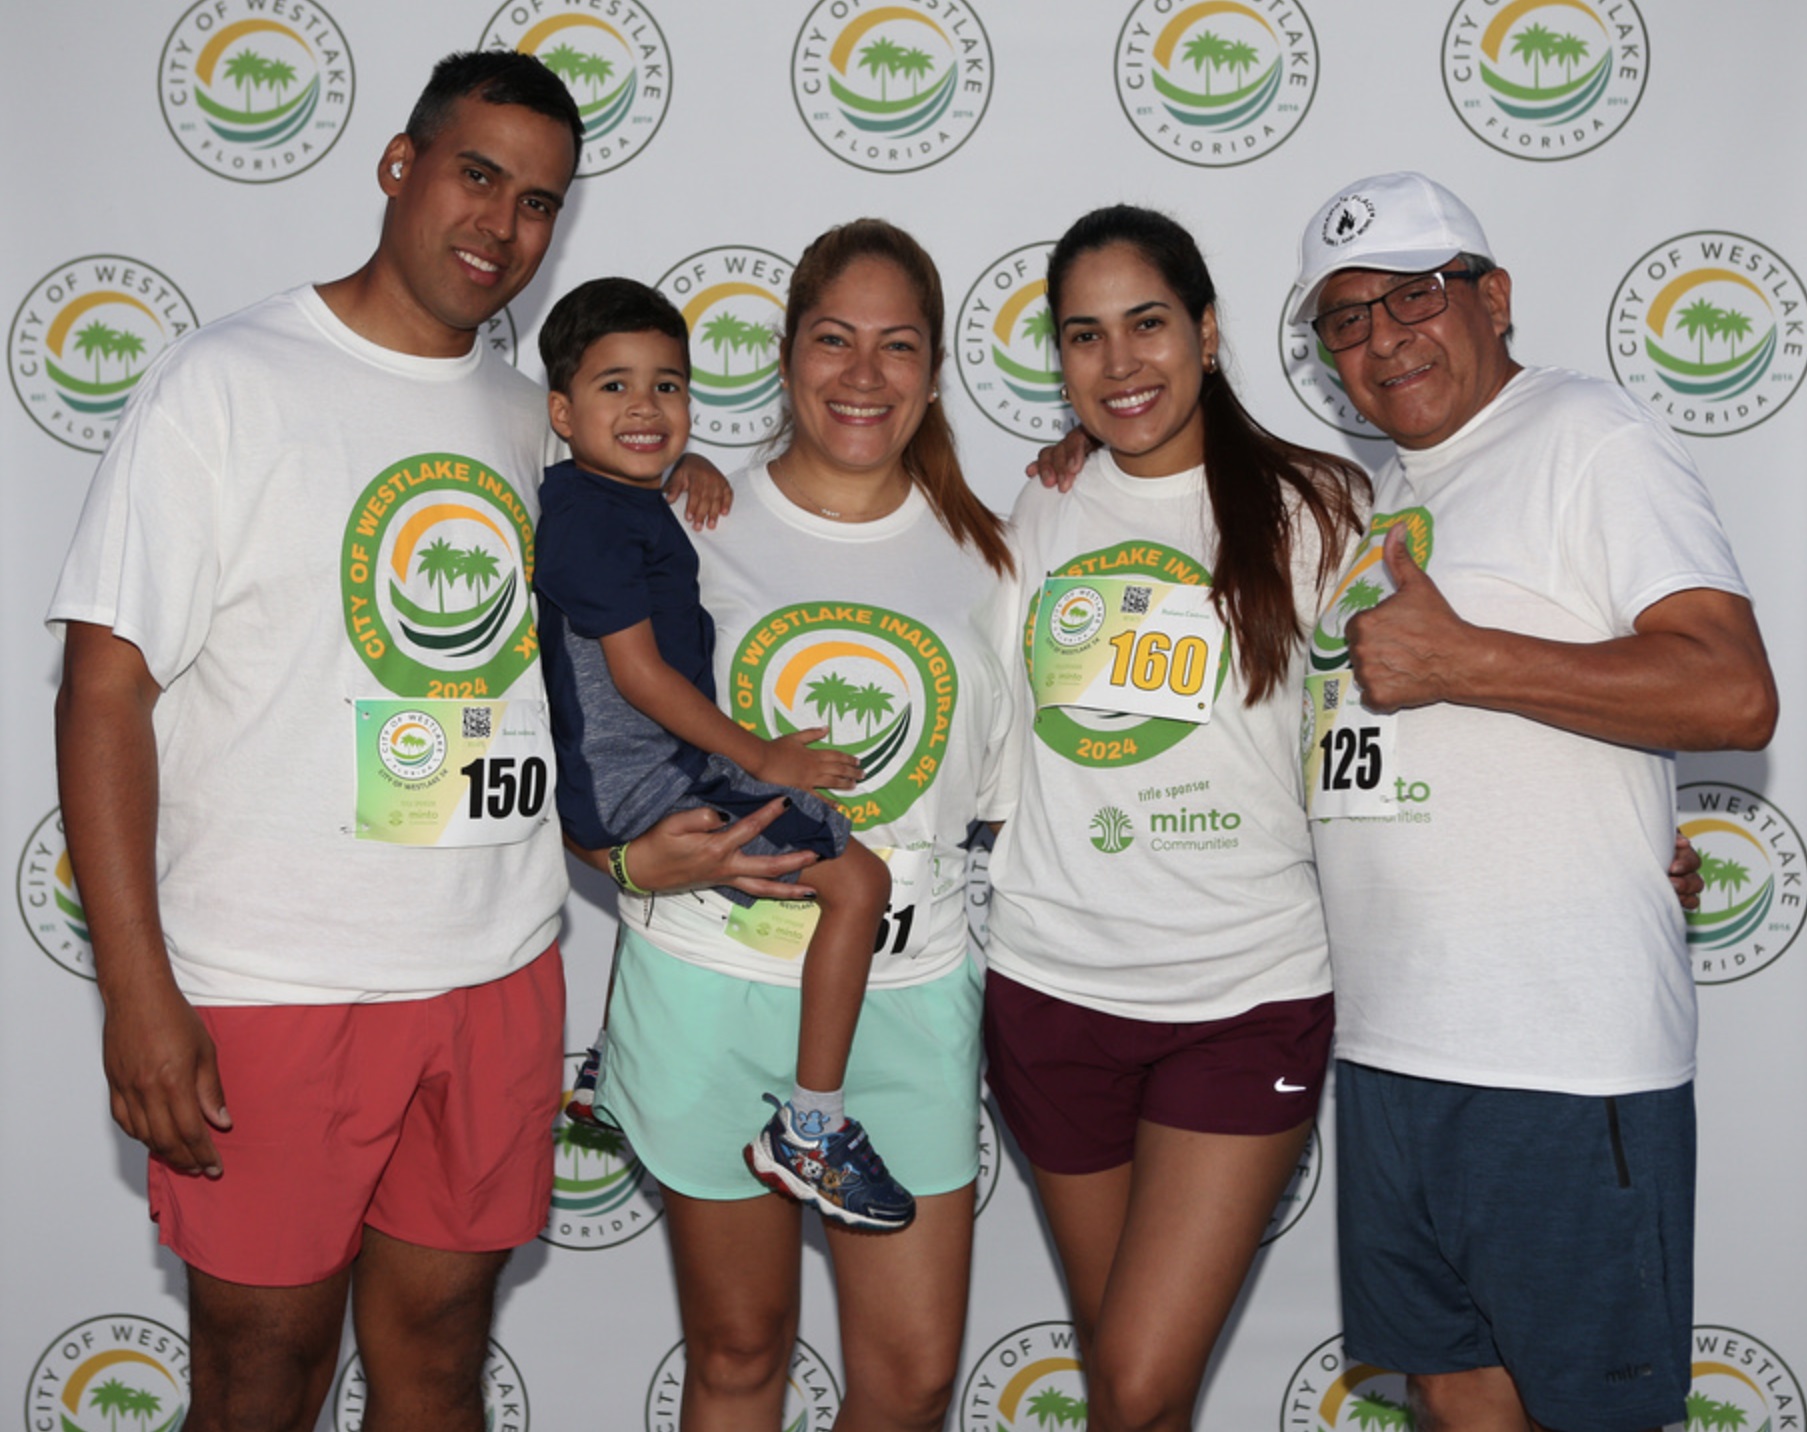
x: 595, y: 310
x: 496, y: 77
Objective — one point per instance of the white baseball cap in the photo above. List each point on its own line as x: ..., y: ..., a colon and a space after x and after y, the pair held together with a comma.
x: 1400, y: 223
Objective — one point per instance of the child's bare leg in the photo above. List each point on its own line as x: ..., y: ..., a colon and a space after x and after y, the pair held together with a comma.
x: 851, y: 891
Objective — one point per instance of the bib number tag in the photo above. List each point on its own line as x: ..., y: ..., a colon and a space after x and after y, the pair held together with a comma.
x: 782, y: 929
x: 1348, y: 751
x: 1127, y: 645
x: 451, y: 773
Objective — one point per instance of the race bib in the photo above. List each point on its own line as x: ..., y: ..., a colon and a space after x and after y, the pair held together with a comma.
x: 1126, y: 644
x: 1347, y: 751
x: 782, y: 929
x: 451, y: 773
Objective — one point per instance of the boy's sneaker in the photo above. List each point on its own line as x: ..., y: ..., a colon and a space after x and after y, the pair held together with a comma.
x: 582, y: 1107
x: 840, y: 1172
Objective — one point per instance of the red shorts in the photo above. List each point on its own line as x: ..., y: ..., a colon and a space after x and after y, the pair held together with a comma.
x: 1072, y: 1083
x: 430, y: 1120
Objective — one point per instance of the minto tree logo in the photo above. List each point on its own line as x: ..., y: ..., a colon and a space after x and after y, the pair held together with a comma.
x: 1706, y: 328
x: 881, y: 682
x: 504, y: 1394
x: 1029, y: 1378
x: 435, y: 572
x: 110, y: 1368
x: 618, y: 70
x: 1545, y: 79
x: 732, y: 300
x: 1366, y: 583
x: 1217, y: 82
x: 1006, y: 349
x: 1328, y: 1393
x: 1113, y: 832
x: 891, y: 88
x: 1739, y: 1384
x: 812, y: 1397
x: 82, y: 339
x: 601, y: 1193
x: 255, y: 92
x: 48, y: 900
x: 1751, y: 862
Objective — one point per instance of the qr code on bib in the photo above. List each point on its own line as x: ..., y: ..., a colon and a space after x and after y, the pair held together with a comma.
x: 477, y: 723
x: 1135, y: 601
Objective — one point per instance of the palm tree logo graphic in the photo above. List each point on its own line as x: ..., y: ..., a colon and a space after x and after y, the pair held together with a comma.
x: 891, y: 48
x: 1725, y: 354
x: 1731, y: 858
x: 258, y: 84
x: 596, y: 62
x: 122, y: 1390
x: 1543, y: 76
x: 96, y: 349
x: 448, y: 623
x: 1236, y: 61
x: 735, y: 320
x: 1026, y: 318
x: 1365, y: 585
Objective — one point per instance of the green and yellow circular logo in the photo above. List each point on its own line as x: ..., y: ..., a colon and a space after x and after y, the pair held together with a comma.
x: 732, y: 300
x: 1031, y: 1378
x: 1545, y: 79
x: 1006, y: 350
x: 435, y: 573
x: 49, y: 903
x: 256, y: 92
x: 882, y: 683
x: 1217, y: 82
x: 602, y: 1195
x: 614, y: 60
x: 1106, y: 738
x: 891, y: 87
x: 82, y: 338
x: 108, y: 1369
x: 1700, y: 329
x: 812, y: 1397
x: 504, y: 1394
x: 1366, y: 583
x: 1740, y: 1384
x: 1328, y: 1393
x: 1751, y: 862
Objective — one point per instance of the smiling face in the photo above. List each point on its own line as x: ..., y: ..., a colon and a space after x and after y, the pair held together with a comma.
x: 1421, y: 383
x: 627, y: 416
x: 860, y: 372
x: 470, y: 217
x: 1134, y: 360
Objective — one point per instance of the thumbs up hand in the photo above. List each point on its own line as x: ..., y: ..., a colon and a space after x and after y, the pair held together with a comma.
x: 1404, y: 649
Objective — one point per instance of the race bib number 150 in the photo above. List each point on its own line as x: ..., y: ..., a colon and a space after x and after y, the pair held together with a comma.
x: 452, y: 773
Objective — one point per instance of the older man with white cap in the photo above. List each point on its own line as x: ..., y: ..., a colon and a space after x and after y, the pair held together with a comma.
x: 1545, y: 608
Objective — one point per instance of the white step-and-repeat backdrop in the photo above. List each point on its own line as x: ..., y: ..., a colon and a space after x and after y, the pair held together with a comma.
x: 1638, y: 166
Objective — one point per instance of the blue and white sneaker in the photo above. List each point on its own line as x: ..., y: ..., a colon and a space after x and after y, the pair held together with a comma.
x: 840, y: 1172
x: 582, y: 1107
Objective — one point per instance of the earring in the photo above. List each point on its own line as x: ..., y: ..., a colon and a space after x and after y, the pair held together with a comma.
x: 1063, y: 394
x: 395, y: 170
x: 934, y: 394
x: 1210, y: 362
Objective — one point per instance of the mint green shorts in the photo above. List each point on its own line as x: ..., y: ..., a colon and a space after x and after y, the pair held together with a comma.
x: 690, y: 1052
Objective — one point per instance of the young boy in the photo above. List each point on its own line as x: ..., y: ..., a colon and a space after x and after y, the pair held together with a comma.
x: 626, y: 645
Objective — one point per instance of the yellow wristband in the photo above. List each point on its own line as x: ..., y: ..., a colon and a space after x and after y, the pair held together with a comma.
x: 618, y: 869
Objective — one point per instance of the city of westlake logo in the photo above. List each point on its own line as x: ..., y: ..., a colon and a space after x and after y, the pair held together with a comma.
x: 504, y: 1394
x: 732, y: 300
x: 891, y: 88
x: 411, y: 746
x: 1545, y: 79
x: 612, y: 57
x: 1328, y: 1393
x: 1366, y: 582
x: 1006, y: 350
x: 49, y: 903
x: 1112, y: 738
x: 107, y: 1369
x: 1031, y: 1378
x: 256, y: 90
x: 1312, y: 376
x: 435, y: 573
x: 82, y: 338
x: 812, y: 1397
x: 881, y: 682
x: 1113, y: 832
x: 1300, y: 1189
x: 1751, y: 861
x: 602, y: 1195
x: 1218, y: 82
x: 1706, y: 328
x: 1739, y: 1384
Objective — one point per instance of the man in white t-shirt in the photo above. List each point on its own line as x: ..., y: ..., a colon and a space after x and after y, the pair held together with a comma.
x: 1545, y: 607
x: 306, y: 780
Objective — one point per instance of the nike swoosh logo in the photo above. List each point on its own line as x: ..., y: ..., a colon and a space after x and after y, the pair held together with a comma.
x: 1282, y: 1087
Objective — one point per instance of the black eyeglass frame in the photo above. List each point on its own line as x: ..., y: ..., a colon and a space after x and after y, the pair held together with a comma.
x: 1443, y: 276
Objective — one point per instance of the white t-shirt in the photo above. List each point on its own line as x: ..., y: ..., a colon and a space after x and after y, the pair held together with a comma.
x: 291, y: 519
x: 871, y: 630
x: 1153, y: 868
x: 1512, y: 926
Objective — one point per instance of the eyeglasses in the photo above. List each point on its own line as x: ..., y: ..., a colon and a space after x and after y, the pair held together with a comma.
x: 1420, y: 297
